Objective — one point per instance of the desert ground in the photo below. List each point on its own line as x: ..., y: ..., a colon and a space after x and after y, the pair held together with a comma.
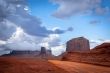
x: 32, y: 65
x: 74, y: 67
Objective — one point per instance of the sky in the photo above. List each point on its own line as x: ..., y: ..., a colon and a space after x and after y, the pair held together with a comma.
x: 30, y: 24
x: 87, y: 25
x: 93, y: 25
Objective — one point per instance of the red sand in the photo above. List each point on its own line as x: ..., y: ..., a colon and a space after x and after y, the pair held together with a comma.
x: 74, y: 67
x: 27, y: 65
x: 32, y: 65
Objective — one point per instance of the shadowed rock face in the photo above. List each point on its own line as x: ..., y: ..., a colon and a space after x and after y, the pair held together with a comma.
x: 80, y: 44
x: 43, y: 51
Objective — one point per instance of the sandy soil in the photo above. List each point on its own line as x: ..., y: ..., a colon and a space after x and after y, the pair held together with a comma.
x: 32, y: 65
x: 27, y: 65
x: 74, y: 67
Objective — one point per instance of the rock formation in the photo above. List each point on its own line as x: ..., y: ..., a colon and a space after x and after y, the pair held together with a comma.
x: 46, y: 54
x: 25, y: 53
x: 103, y: 48
x: 79, y: 44
x: 43, y: 53
x: 100, y: 55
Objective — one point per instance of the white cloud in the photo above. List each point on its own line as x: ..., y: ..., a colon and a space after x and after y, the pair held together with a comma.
x: 68, y: 8
x: 106, y: 41
x: 57, y: 50
x: 23, y: 41
x: 94, y: 43
x: 2, y: 42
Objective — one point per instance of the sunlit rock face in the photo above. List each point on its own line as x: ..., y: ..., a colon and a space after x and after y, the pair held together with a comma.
x: 79, y: 44
x: 102, y: 49
x: 100, y: 55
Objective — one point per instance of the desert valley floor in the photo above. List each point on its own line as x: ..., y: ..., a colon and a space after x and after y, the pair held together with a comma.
x: 32, y: 65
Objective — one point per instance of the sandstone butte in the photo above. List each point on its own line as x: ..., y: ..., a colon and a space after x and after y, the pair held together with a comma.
x: 100, y: 55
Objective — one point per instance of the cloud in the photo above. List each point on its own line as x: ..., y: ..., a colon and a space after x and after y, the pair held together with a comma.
x: 23, y: 41
x: 68, y: 8
x: 58, y: 49
x: 95, y: 22
x: 57, y: 30
x: 70, y: 29
x: 6, y: 29
x: 22, y: 31
x: 3, y: 51
x: 102, y: 11
x: 17, y: 13
x: 2, y: 42
x: 94, y: 43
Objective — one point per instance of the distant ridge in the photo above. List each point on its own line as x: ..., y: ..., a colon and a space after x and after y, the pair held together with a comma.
x: 43, y: 53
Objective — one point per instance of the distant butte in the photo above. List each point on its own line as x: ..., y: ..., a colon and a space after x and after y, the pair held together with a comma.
x: 100, y: 55
x: 79, y: 44
x: 43, y: 53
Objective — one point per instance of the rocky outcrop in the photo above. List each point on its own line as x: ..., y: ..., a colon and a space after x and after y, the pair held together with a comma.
x: 100, y: 55
x: 79, y: 44
x: 46, y: 54
x: 103, y: 48
x: 43, y: 53
x: 23, y: 53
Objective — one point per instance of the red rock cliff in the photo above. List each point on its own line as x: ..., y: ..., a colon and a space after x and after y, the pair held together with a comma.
x: 79, y: 44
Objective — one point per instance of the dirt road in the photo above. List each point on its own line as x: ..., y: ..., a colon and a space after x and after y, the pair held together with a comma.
x: 73, y: 67
x: 33, y: 65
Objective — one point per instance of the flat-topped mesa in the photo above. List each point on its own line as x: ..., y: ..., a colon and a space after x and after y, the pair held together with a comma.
x: 79, y: 44
x: 29, y: 53
x: 22, y: 53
